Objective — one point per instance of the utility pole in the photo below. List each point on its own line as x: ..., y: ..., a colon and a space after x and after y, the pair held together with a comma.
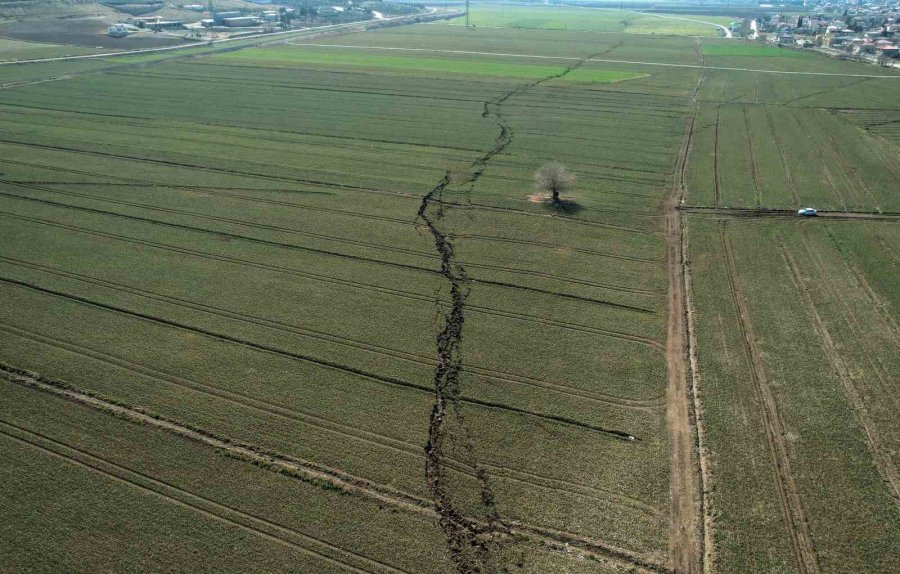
x: 467, y: 13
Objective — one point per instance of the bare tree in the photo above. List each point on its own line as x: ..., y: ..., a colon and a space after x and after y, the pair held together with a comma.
x: 555, y: 178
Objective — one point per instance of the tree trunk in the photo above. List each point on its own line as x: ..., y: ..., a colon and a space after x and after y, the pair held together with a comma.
x: 555, y: 195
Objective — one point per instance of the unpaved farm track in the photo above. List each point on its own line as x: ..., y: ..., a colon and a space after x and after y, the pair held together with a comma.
x: 685, y: 535
x: 789, y: 213
x: 688, y: 535
x: 792, y: 505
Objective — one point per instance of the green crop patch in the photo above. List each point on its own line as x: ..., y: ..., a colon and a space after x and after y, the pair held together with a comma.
x: 405, y: 62
x: 591, y: 19
x: 400, y: 61
x: 300, y: 56
x: 747, y: 50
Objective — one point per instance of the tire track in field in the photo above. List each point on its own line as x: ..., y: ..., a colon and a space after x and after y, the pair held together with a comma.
x: 717, y: 178
x: 554, y: 538
x: 488, y: 373
x: 328, y: 279
x: 286, y: 270
x: 179, y: 165
x: 341, y: 430
x: 825, y: 91
x: 756, y: 77
x: 314, y: 472
x: 872, y: 357
x: 826, y: 170
x: 554, y: 246
x: 789, y: 496
x: 283, y: 245
x: 166, y: 141
x: 881, y: 455
x: 848, y: 169
x: 251, y: 224
x: 318, y: 183
x: 751, y: 146
x: 469, y: 549
x: 226, y: 192
x: 886, y: 159
x: 235, y: 397
x: 263, y: 528
x: 779, y: 145
x: 381, y: 379
x: 124, y: 181
x: 526, y: 213
x: 211, y: 128
x: 708, y: 549
x: 876, y: 301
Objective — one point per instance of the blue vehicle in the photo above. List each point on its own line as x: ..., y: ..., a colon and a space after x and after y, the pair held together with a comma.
x: 807, y: 212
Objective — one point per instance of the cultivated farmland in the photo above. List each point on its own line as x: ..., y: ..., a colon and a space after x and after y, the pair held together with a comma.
x: 299, y: 307
x: 593, y: 20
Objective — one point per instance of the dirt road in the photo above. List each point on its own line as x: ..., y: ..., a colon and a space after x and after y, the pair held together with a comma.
x: 686, y: 530
x: 789, y: 213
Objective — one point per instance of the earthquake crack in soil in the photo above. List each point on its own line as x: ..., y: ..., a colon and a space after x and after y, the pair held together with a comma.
x: 469, y: 544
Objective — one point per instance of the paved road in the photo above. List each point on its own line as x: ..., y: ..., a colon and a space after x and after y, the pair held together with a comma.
x: 267, y: 35
x: 725, y: 30
x: 639, y: 63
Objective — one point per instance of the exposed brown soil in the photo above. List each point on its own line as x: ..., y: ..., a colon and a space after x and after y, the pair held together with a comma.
x: 686, y: 534
x: 89, y: 33
x: 709, y: 555
x: 685, y: 554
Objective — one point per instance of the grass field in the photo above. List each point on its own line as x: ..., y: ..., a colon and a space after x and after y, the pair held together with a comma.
x: 297, y: 307
x: 592, y: 20
x: 819, y: 338
x: 16, y: 50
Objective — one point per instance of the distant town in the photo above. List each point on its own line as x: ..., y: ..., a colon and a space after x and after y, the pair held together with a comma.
x: 199, y: 21
x: 866, y: 31
x: 862, y: 30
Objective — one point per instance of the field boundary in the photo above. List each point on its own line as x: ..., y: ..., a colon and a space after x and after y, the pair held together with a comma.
x: 686, y: 553
x: 602, y: 60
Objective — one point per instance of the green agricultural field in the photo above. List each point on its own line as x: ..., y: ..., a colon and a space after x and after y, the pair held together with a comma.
x: 300, y: 307
x: 817, y: 337
x: 16, y: 50
x: 413, y: 61
x: 592, y: 20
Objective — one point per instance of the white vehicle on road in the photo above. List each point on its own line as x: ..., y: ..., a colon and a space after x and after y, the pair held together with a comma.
x: 807, y: 211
